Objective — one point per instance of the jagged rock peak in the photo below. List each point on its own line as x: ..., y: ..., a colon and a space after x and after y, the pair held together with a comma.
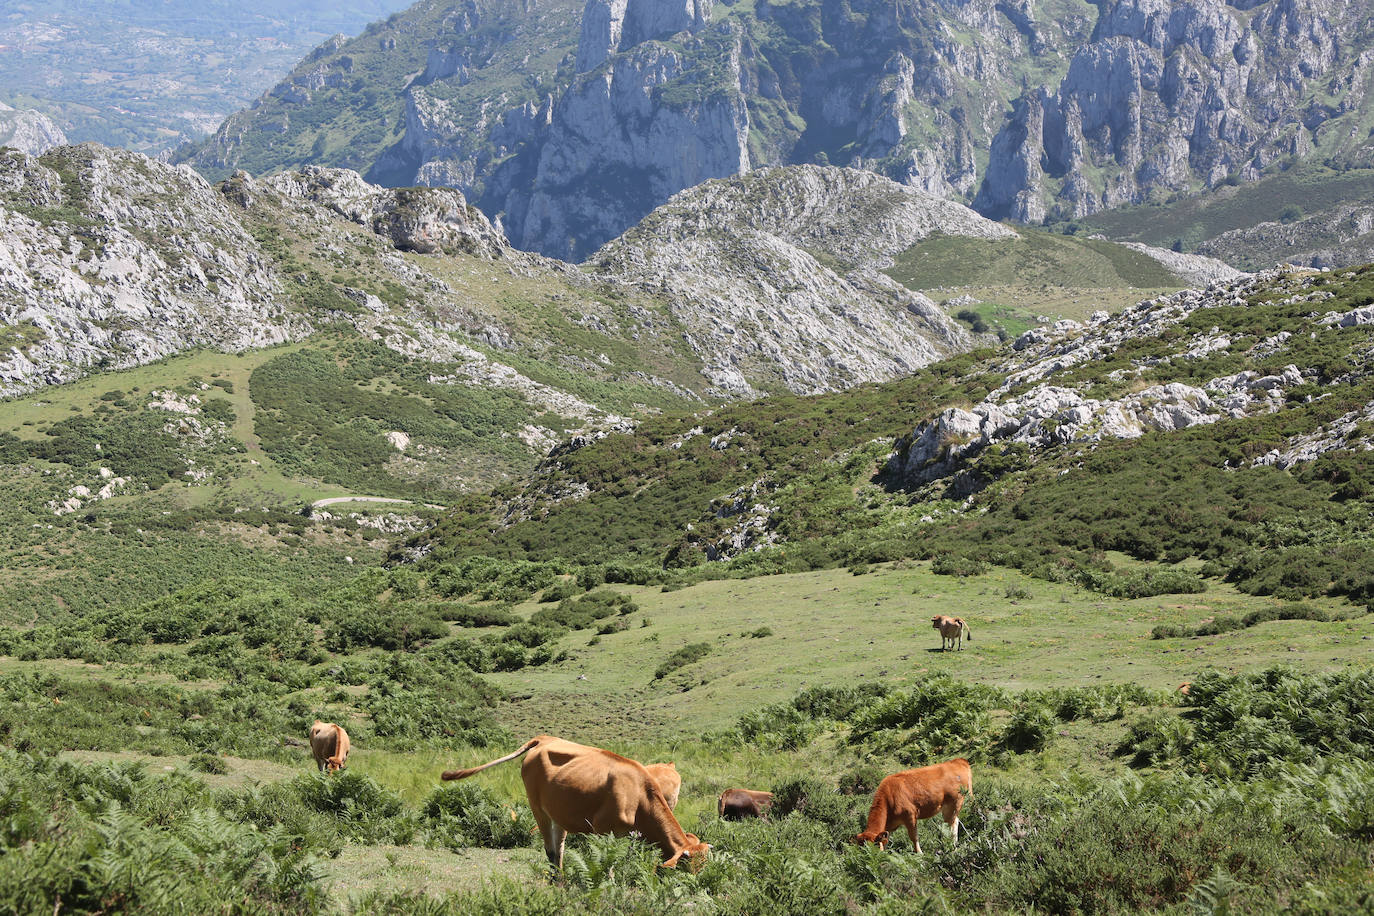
x: 424, y: 220
x: 610, y: 26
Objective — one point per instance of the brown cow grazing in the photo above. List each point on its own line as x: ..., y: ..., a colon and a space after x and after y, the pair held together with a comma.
x: 743, y: 804
x: 329, y: 743
x: 573, y: 788
x: 669, y: 780
x: 910, y: 796
x: 1185, y: 687
x: 951, y: 631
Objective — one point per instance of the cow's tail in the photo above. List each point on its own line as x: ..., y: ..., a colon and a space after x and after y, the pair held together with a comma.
x: 464, y: 774
x: 968, y: 632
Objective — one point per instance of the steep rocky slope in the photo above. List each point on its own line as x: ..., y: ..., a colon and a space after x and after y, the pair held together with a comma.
x: 28, y: 131
x: 109, y: 259
x: 793, y: 253
x: 1055, y: 109
x: 1171, y: 96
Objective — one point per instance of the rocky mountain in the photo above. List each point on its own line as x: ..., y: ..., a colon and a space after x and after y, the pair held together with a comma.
x: 109, y: 259
x: 796, y: 251
x: 28, y: 131
x: 1075, y: 438
x: 570, y: 124
x: 1167, y: 97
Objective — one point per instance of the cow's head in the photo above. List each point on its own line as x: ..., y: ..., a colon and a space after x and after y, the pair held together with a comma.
x: 936, y: 621
x: 694, y: 851
x: 866, y: 837
x: 333, y: 764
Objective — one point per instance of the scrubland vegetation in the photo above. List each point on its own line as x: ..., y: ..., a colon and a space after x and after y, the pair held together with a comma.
x: 165, y: 650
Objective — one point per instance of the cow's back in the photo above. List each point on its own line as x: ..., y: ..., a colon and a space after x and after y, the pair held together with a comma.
x: 574, y: 784
x: 926, y: 789
x: 322, y: 741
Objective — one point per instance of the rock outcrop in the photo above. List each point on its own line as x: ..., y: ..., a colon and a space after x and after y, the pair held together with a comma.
x: 1031, y: 409
x: 109, y: 259
x: 29, y: 131
x: 773, y: 276
x: 609, y: 25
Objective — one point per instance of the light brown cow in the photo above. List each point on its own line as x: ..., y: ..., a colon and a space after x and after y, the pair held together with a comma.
x: 741, y: 804
x: 903, y: 799
x: 951, y: 631
x: 573, y: 788
x: 329, y: 743
x: 669, y: 780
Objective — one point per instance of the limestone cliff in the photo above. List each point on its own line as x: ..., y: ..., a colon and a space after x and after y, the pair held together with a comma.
x: 568, y: 121
x: 1169, y: 97
x: 28, y: 131
x: 773, y: 276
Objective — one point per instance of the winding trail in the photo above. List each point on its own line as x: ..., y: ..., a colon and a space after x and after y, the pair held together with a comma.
x: 335, y: 500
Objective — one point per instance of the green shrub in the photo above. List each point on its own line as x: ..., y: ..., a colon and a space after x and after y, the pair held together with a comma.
x: 956, y: 565
x: 814, y: 800
x: 466, y: 814
x: 209, y: 763
x: 688, y: 654
x: 1031, y: 728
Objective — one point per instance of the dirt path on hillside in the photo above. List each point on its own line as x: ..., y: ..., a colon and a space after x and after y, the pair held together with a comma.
x: 335, y: 500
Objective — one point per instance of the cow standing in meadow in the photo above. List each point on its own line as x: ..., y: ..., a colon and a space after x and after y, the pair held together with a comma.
x: 329, y: 743
x: 573, y: 788
x: 951, y: 631
x: 906, y: 798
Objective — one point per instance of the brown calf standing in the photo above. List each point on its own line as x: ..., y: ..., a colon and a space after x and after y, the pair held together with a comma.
x: 903, y: 799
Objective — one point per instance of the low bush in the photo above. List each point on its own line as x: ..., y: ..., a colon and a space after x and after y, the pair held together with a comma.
x: 688, y: 654
x: 950, y: 564
x: 1290, y: 611
x: 465, y: 814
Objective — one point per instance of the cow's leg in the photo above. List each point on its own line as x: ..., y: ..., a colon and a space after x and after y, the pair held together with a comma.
x: 911, y: 826
x: 556, y: 856
x: 950, y: 809
x: 552, y: 834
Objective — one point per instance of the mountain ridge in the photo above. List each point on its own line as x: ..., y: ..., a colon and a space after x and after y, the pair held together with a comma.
x: 986, y: 102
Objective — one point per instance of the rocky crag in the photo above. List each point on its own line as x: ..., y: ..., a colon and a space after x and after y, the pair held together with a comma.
x: 570, y: 122
x: 795, y: 252
x: 28, y: 131
x: 1052, y: 396
x: 109, y: 259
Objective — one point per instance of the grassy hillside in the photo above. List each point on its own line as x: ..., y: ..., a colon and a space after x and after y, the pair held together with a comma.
x: 1306, y: 189
x: 164, y: 650
x: 1041, y: 275
x: 805, y: 476
x: 188, y: 713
